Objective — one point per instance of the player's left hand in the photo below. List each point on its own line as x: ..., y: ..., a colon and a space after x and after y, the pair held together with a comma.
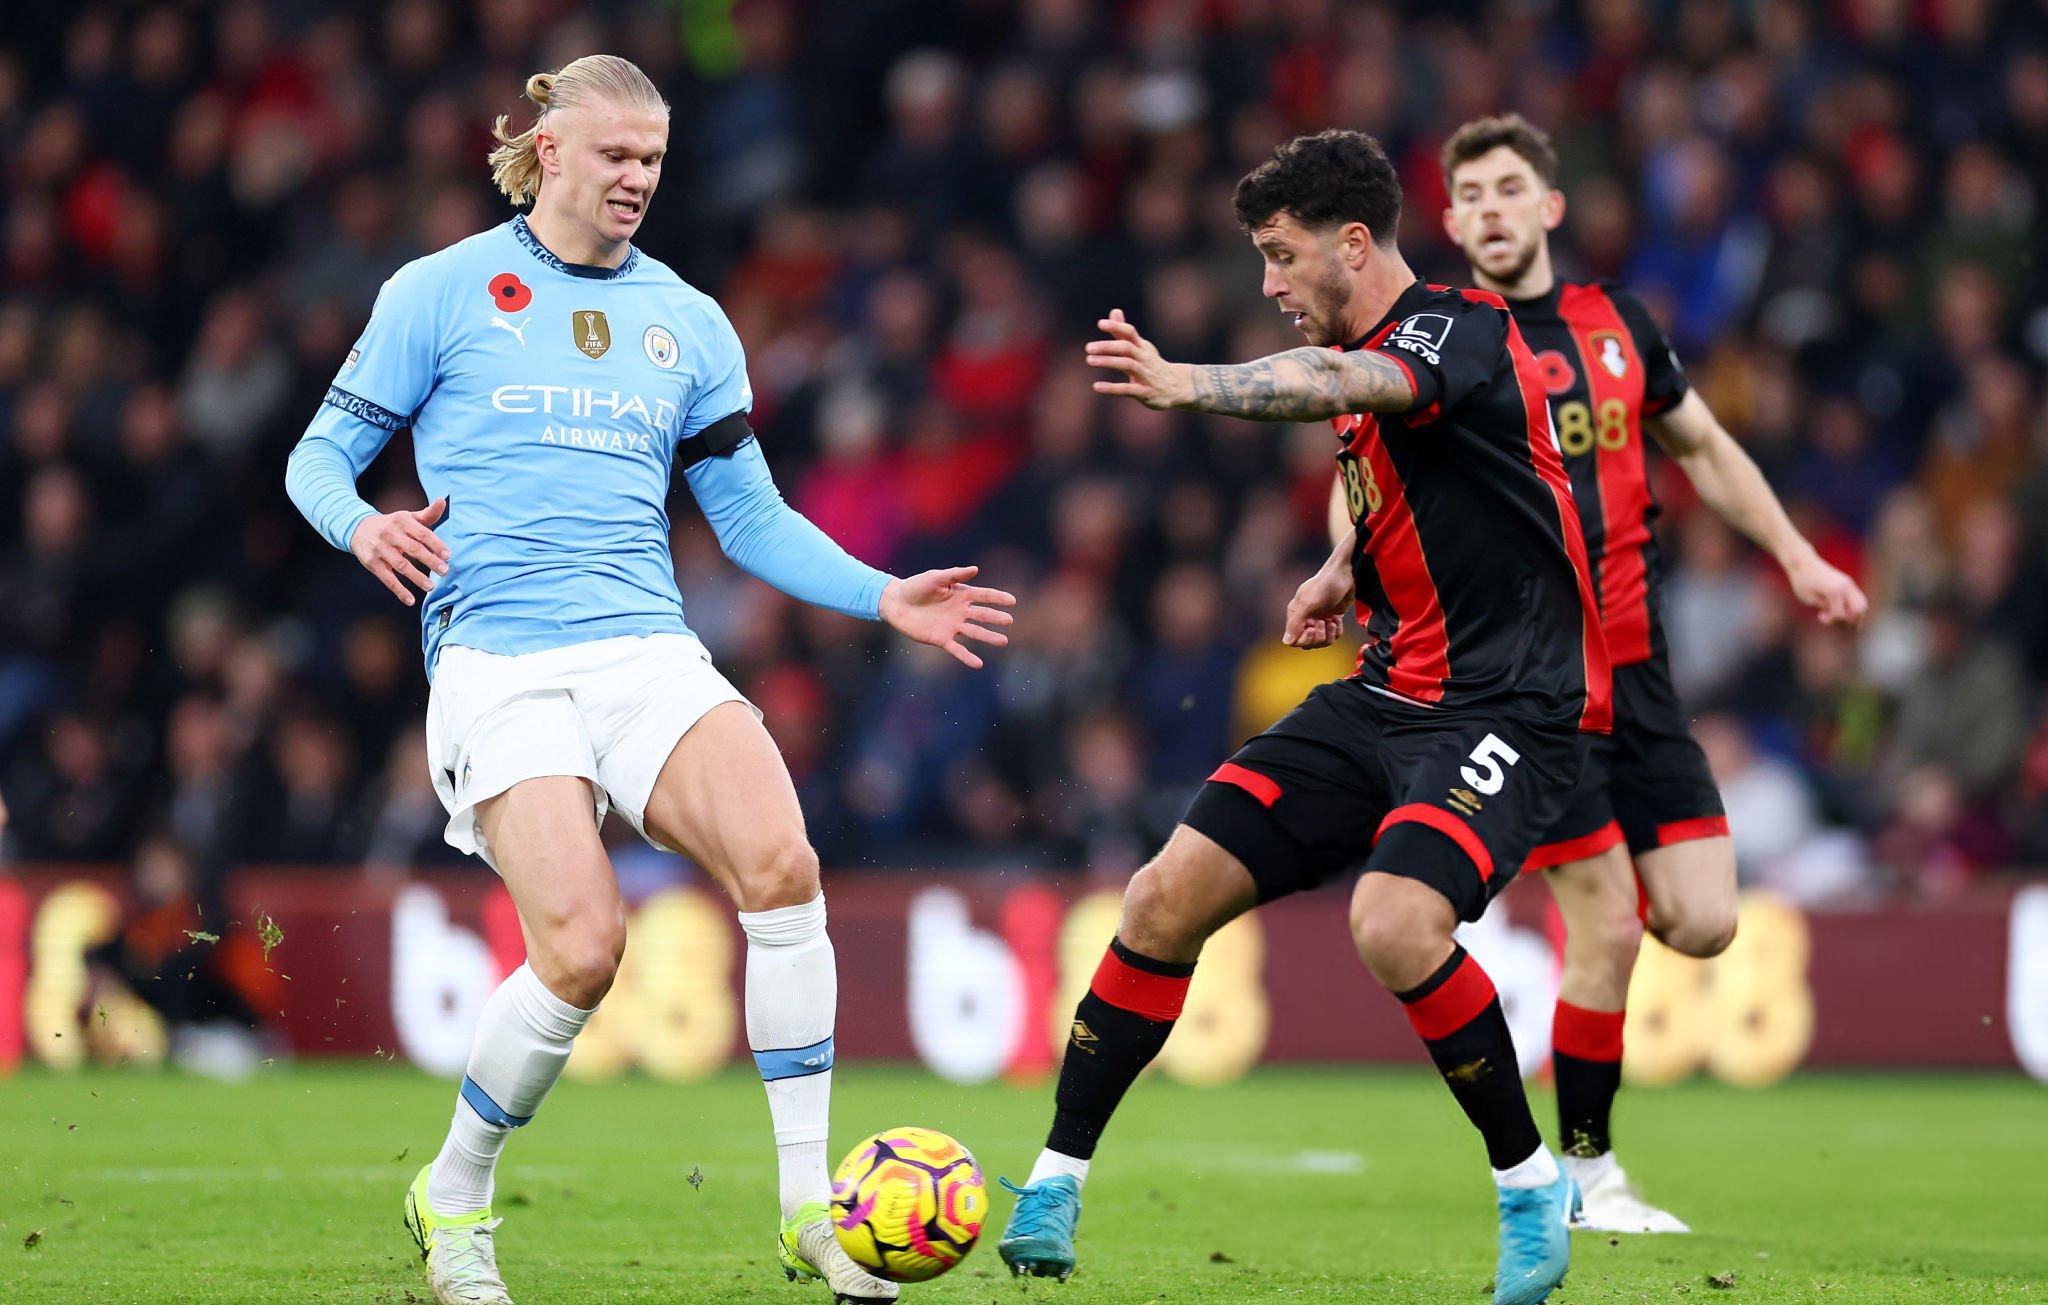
x: 940, y: 608
x: 1147, y: 377
x: 1837, y: 598
x: 1315, y: 616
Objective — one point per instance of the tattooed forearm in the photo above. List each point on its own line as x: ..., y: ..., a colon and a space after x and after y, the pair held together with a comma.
x: 1374, y: 383
x: 1303, y: 385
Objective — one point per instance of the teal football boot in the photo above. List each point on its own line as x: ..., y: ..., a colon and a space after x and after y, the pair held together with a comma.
x: 1535, y: 1240
x: 1040, y: 1238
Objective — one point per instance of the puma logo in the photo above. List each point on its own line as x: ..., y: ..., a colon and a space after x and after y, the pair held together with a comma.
x: 518, y: 330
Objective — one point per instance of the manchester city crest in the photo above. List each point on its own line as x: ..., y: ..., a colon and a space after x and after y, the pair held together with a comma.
x: 660, y: 347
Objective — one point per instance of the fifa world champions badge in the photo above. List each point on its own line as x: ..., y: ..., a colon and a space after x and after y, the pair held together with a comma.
x: 591, y: 331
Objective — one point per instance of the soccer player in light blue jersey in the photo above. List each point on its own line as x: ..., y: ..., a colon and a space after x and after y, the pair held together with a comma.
x: 552, y: 375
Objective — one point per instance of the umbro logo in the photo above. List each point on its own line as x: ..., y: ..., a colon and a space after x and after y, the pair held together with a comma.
x: 518, y: 328
x: 1084, y: 1038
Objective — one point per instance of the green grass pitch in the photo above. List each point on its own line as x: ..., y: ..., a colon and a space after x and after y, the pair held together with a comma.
x: 1294, y: 1185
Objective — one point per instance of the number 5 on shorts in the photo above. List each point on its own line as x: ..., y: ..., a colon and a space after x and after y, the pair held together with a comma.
x: 1491, y: 754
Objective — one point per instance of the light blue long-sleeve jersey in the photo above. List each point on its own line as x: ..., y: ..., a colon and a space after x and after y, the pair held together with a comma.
x: 546, y: 402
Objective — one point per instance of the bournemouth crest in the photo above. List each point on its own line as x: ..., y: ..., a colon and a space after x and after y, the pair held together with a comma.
x: 1607, y: 348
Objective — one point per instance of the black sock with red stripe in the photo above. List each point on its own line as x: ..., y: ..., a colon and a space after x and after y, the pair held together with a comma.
x: 1585, y: 1049
x: 1459, y: 1017
x: 1119, y: 1027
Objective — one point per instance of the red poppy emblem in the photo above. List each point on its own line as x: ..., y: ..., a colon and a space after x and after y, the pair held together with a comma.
x: 1558, y: 375
x: 508, y: 293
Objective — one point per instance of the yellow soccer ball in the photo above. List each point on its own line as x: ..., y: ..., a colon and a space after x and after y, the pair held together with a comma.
x: 908, y: 1204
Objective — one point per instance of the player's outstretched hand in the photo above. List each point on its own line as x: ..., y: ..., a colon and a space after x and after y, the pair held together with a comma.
x: 940, y: 608
x: 1834, y: 596
x: 395, y: 546
x: 1147, y: 377
x: 1315, y: 615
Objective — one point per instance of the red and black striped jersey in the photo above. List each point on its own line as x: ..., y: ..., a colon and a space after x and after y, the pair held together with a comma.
x: 1606, y: 367
x: 1473, y: 583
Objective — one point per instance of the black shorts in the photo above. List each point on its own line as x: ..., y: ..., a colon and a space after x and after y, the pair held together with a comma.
x: 1646, y: 784
x: 1455, y: 799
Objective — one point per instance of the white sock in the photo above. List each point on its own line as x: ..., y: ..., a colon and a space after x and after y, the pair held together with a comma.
x: 1585, y: 1169
x: 1051, y: 1163
x: 792, y: 999
x: 1539, y: 1170
x: 522, y: 1042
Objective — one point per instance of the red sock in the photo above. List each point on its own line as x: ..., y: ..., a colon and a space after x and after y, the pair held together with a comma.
x: 1458, y: 1015
x: 1585, y: 1048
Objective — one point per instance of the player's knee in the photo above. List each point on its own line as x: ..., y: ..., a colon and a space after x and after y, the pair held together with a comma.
x: 1605, y: 939
x: 1378, y: 934
x: 581, y: 958
x: 1400, y: 927
x: 1156, y: 921
x: 786, y: 875
x: 1701, y: 931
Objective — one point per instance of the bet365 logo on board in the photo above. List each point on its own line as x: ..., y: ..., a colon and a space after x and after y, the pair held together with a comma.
x: 592, y: 333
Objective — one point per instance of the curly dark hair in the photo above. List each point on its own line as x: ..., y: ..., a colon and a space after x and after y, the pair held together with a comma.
x: 1482, y: 136
x: 1327, y: 179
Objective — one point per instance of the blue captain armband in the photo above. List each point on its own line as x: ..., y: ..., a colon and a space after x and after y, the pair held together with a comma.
x: 355, y: 405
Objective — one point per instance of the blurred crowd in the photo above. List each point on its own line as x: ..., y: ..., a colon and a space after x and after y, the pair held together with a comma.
x: 914, y: 214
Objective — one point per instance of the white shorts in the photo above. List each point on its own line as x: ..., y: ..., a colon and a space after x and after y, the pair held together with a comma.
x: 610, y: 711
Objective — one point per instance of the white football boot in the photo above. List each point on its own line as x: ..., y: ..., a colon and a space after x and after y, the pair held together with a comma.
x: 461, y: 1255
x: 809, y: 1249
x: 1610, y: 1202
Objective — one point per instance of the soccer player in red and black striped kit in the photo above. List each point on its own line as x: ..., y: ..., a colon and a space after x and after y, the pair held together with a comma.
x: 1440, y: 763
x: 1647, y: 806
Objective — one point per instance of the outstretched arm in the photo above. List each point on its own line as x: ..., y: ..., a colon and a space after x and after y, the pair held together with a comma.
x: 1306, y: 384
x: 775, y: 543
x: 1729, y: 482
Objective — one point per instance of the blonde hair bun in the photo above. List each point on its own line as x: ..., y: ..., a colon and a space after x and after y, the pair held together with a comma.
x: 515, y: 163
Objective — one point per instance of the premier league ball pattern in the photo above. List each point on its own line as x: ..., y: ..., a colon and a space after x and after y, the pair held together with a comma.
x: 908, y: 1204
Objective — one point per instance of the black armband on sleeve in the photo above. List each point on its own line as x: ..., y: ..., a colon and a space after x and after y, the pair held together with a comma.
x: 717, y: 440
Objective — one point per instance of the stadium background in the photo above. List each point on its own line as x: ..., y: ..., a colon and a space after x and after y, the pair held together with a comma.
x: 913, y: 215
